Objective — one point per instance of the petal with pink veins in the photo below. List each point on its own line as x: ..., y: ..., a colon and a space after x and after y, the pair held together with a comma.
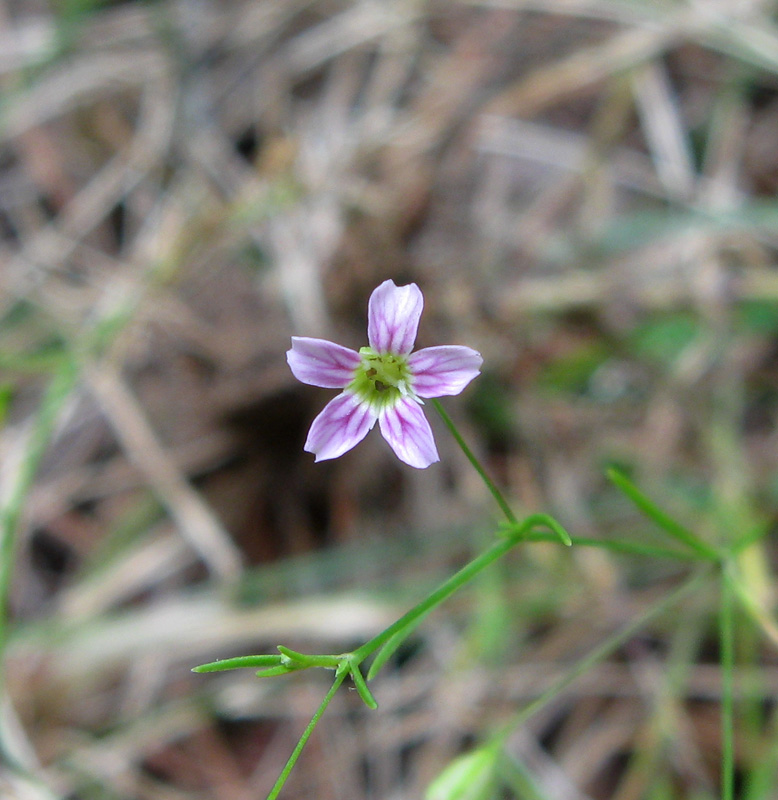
x: 318, y: 362
x: 393, y: 314
x: 341, y: 425
x: 406, y: 429
x: 444, y: 370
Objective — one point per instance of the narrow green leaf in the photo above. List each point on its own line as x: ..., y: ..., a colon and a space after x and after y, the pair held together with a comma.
x: 361, y: 687
x: 390, y: 648
x: 661, y: 518
x: 292, y: 655
x: 281, y: 669
x: 239, y: 663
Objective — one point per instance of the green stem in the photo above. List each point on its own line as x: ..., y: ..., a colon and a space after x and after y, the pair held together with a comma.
x: 289, y: 766
x: 490, y: 485
x: 446, y: 589
x: 629, y: 548
x: 727, y: 648
x: 456, y: 581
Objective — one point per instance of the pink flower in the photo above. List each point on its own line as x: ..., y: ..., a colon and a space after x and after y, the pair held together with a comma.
x: 384, y: 382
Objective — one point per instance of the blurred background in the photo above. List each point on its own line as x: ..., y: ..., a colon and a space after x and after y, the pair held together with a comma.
x: 585, y: 192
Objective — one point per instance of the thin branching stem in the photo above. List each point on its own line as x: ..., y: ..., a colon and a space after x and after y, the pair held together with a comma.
x: 435, y: 598
x: 289, y: 766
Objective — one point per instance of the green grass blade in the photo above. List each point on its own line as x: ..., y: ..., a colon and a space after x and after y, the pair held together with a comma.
x: 600, y: 653
x: 59, y: 390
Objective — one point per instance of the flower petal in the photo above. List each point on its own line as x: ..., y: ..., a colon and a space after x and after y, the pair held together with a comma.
x: 445, y: 370
x: 393, y: 314
x: 343, y: 423
x: 321, y: 363
x: 406, y: 429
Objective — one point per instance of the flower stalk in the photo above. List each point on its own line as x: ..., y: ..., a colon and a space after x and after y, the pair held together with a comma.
x: 490, y: 484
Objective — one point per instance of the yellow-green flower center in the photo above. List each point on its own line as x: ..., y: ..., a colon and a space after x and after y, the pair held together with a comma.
x: 381, y: 379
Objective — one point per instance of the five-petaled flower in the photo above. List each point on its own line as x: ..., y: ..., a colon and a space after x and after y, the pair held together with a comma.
x: 384, y: 382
